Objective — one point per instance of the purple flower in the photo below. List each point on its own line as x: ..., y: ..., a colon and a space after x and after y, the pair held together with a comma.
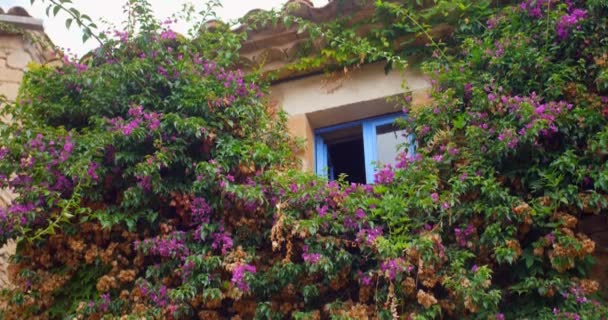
x: 200, y: 210
x: 223, y: 241
x: 322, y: 211
x: 492, y: 23
x: 462, y: 235
x: 369, y: 235
x: 68, y: 148
x: 359, y: 214
x: 293, y: 187
x: 311, y: 258
x: 474, y: 268
x: 105, y: 302
x: 3, y: 152
x: 424, y: 130
x: 365, y: 279
x: 92, y: 170
x: 238, y: 276
x: 162, y: 71
x: 550, y: 238
x: 154, y: 124
x: 35, y: 143
x: 145, y: 182
x: 123, y: 36
x: 168, y: 246
x: 568, y: 21
x: 468, y: 89
x: 392, y: 267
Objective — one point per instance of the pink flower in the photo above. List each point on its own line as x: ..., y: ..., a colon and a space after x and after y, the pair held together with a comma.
x: 312, y: 258
x: 384, y: 175
x: 168, y: 35
x: 435, y: 196
x: 136, y: 111
x: 128, y: 129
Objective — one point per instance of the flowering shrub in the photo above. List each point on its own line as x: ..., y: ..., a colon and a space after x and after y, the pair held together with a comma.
x: 154, y: 181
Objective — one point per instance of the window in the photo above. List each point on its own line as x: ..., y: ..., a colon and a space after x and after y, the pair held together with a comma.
x: 353, y: 148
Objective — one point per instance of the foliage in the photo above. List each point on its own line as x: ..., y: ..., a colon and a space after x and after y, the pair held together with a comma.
x: 155, y: 181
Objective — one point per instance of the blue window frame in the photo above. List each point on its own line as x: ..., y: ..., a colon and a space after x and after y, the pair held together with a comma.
x: 378, y: 145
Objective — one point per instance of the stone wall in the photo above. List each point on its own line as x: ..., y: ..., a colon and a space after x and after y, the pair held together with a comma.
x: 22, y: 40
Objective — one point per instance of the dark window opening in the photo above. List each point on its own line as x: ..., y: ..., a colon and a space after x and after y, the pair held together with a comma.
x: 347, y: 157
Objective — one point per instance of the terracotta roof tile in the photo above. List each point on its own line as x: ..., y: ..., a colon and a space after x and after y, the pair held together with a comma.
x: 18, y: 11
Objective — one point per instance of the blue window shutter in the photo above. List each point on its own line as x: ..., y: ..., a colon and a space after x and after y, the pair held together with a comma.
x: 411, y: 141
x: 369, y: 150
x: 320, y: 156
x: 323, y: 166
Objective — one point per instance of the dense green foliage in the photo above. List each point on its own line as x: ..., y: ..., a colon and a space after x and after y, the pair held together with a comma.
x: 154, y: 180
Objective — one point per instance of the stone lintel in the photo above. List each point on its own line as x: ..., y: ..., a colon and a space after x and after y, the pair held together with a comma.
x: 22, y: 22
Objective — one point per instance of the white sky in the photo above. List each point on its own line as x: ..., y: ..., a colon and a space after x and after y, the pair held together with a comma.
x: 111, y: 10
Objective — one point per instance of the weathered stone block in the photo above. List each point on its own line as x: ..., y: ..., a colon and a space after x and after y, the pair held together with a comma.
x: 5, y: 253
x: 10, y: 75
x: 9, y: 90
x: 18, y: 59
x: 11, y: 42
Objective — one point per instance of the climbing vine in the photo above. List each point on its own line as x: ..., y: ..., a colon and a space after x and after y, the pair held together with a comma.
x: 155, y: 180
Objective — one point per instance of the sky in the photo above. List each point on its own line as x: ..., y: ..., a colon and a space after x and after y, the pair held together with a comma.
x: 111, y: 11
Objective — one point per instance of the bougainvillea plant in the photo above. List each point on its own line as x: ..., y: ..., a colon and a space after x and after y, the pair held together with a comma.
x: 154, y: 180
